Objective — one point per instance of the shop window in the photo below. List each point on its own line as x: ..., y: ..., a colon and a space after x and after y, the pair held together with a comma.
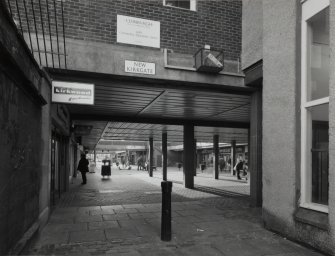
x: 184, y: 4
x: 315, y: 105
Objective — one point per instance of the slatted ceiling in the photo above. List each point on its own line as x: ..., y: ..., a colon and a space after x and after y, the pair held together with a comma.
x: 121, y: 99
x: 131, y: 131
x: 127, y: 94
x: 127, y: 100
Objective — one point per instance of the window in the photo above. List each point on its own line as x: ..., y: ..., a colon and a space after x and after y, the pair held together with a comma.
x: 184, y: 4
x: 315, y: 105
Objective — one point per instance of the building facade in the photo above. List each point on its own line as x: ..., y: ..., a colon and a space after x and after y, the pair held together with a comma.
x: 90, y: 37
x: 288, y: 51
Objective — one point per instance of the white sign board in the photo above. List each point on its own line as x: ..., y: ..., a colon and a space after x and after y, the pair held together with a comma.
x: 139, y: 67
x: 137, y: 31
x: 72, y: 93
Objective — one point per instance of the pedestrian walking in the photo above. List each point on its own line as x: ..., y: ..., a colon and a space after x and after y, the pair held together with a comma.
x: 239, y: 167
x: 83, y: 167
x: 222, y: 164
x: 245, y: 170
x: 140, y: 163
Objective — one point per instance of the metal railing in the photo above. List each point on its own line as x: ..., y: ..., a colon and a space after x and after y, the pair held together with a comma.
x: 41, y: 23
x: 320, y: 171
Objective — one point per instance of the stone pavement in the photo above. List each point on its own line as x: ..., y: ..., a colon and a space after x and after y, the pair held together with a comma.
x: 204, y: 180
x: 202, y: 223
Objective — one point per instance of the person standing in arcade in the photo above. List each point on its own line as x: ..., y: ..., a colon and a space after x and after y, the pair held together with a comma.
x: 83, y: 167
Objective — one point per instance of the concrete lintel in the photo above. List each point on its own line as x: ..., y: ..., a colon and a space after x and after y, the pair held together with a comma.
x: 96, y: 57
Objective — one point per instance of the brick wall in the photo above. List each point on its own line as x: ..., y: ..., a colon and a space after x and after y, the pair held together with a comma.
x: 217, y: 23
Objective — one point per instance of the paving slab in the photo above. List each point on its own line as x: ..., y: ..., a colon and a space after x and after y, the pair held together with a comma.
x: 127, y: 210
x: 54, y: 238
x: 132, y: 223
x: 103, y: 225
x: 126, y: 206
x: 144, y: 215
x: 65, y: 227
x: 121, y: 233
x: 88, y: 218
x: 87, y: 236
x: 119, y: 216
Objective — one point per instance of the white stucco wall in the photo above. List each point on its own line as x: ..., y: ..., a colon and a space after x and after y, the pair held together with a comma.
x: 279, y: 111
x: 281, y: 125
x: 332, y: 126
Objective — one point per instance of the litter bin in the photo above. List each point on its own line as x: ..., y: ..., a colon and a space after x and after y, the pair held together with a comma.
x: 106, y: 168
x: 92, y: 167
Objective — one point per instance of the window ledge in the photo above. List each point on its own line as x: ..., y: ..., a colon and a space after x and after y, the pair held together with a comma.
x: 180, y: 8
x: 313, y: 218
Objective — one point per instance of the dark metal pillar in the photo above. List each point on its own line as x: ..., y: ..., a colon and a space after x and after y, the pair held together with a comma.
x: 151, y: 156
x: 164, y: 155
x: 195, y: 157
x: 233, y: 156
x: 255, y: 149
x: 188, y: 156
x: 216, y: 156
x: 166, y: 211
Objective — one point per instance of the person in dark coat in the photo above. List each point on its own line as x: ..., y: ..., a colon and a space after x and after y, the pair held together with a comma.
x: 222, y: 164
x: 239, y: 167
x: 83, y: 167
x: 140, y: 163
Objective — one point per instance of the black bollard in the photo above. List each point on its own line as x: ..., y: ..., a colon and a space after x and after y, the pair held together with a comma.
x: 166, y: 210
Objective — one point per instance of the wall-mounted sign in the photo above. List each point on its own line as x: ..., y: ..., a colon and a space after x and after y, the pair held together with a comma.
x: 81, y: 130
x: 225, y: 150
x: 72, y: 93
x: 137, y: 31
x: 139, y: 67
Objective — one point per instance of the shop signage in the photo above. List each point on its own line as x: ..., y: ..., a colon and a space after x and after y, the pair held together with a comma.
x: 137, y: 31
x: 81, y: 130
x: 225, y: 150
x: 239, y: 149
x: 72, y: 93
x: 140, y: 67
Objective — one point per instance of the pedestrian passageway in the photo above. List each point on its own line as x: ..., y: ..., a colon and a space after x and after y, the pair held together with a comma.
x: 120, y: 215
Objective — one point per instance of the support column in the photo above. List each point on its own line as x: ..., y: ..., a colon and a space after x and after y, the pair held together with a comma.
x: 255, y: 149
x: 216, y: 156
x: 164, y: 155
x: 95, y: 156
x: 195, y: 157
x: 233, y: 156
x: 188, y: 156
x: 151, y: 156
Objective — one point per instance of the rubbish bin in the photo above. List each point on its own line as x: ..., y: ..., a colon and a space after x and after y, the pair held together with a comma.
x: 106, y: 168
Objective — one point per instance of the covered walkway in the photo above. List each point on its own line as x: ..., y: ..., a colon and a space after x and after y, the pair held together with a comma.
x: 121, y: 216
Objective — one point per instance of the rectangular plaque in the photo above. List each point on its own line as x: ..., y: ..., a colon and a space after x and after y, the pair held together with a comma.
x: 139, y: 67
x: 138, y: 31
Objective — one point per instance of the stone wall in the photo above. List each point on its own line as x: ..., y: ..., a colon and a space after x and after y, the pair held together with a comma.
x: 19, y: 176
x: 22, y: 94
